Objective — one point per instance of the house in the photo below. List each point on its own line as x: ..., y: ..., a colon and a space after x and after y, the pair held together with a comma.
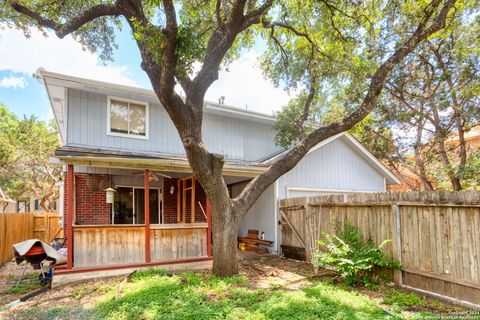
x: 118, y: 141
x: 26, y: 204
x: 412, y: 182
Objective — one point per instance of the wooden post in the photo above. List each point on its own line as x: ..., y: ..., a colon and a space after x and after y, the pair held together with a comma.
x: 147, y: 214
x: 397, y: 274
x: 70, y: 191
x: 192, y: 197
x: 179, y: 199
x: 209, y: 229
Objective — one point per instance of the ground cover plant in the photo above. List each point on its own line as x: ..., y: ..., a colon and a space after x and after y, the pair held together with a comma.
x: 354, y: 259
x: 268, y: 288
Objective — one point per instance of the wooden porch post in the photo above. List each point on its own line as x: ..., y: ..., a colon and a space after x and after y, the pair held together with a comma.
x: 209, y: 229
x: 70, y: 190
x: 147, y: 214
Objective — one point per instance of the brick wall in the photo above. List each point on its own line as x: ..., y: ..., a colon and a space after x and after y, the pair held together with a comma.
x: 170, y: 202
x: 91, y: 206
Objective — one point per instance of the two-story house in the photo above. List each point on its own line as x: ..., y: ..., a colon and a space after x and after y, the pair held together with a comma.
x: 118, y: 141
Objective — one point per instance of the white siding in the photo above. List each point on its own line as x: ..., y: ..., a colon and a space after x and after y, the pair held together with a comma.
x: 335, y: 166
x: 261, y: 215
x: 235, y: 138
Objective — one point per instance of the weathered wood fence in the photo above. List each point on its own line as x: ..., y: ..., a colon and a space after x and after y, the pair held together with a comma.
x: 435, y: 235
x: 17, y: 227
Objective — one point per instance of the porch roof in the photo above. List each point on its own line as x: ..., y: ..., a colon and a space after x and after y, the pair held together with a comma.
x: 145, y: 160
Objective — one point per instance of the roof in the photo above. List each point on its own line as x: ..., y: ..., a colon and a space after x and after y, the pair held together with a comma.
x: 364, y: 153
x: 56, y: 83
x: 127, y: 159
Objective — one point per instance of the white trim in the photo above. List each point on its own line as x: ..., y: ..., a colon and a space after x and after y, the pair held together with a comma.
x: 275, y: 215
x: 126, y: 135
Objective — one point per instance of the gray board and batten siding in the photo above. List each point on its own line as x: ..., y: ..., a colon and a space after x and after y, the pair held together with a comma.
x: 335, y: 168
x: 237, y: 139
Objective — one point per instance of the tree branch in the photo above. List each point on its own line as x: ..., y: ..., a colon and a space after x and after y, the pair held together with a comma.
x: 286, y: 162
x: 75, y: 23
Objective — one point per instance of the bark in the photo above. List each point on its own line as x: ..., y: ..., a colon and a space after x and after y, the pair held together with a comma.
x: 422, y: 170
x: 224, y: 242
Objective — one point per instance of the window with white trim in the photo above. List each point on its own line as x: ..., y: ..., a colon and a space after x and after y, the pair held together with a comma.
x: 129, y: 118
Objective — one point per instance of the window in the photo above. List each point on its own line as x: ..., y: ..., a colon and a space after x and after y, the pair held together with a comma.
x: 128, y: 206
x: 22, y: 206
x: 127, y: 118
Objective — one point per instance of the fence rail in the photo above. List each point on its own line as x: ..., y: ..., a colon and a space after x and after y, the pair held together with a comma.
x: 435, y: 235
x: 17, y: 227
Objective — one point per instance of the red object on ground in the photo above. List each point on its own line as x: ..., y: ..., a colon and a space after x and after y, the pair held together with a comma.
x: 34, y: 251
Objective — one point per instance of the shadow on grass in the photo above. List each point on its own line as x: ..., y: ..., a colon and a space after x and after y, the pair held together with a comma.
x: 190, y: 297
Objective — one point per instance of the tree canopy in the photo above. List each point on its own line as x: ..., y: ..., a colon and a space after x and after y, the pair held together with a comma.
x: 26, y: 146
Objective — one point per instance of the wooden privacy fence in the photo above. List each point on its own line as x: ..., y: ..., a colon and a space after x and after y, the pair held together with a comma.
x: 435, y: 235
x: 17, y: 227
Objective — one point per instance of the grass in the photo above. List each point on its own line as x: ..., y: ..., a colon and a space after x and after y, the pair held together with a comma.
x: 395, y: 297
x: 29, y: 282
x: 152, y: 294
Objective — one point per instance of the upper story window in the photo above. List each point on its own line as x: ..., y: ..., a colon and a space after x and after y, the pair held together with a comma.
x: 127, y: 118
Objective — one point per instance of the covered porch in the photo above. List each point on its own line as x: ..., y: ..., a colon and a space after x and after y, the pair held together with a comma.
x: 110, y: 221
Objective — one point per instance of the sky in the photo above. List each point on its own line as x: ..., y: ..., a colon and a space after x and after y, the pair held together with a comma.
x: 243, y: 85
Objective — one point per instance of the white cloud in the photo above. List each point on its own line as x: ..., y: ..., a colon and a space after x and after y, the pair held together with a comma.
x: 21, y: 55
x: 13, y: 82
x: 244, y: 85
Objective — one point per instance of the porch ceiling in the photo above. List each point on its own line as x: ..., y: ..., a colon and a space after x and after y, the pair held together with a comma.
x: 129, y: 160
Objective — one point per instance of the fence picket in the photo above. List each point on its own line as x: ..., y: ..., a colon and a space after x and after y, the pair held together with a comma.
x: 435, y: 235
x: 18, y: 227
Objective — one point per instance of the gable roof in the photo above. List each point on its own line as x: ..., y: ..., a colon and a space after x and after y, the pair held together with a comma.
x: 362, y: 151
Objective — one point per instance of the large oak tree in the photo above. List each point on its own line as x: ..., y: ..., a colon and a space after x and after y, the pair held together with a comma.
x: 309, y: 45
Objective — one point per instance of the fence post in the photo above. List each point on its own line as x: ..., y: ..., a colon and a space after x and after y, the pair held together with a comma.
x: 397, y: 274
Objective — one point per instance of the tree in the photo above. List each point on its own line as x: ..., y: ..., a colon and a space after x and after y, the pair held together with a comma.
x: 434, y: 97
x: 172, y: 37
x: 25, y: 148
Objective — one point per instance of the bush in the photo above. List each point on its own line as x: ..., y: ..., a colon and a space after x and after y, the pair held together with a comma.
x: 354, y: 259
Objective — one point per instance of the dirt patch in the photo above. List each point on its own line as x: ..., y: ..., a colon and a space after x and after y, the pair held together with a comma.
x: 271, y: 271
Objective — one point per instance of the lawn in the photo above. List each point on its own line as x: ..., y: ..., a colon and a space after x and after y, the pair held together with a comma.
x: 262, y: 291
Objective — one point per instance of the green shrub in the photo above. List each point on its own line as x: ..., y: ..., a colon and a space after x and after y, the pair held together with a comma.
x: 354, y: 259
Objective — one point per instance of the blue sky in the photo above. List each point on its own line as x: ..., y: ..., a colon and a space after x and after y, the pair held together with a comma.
x: 243, y: 85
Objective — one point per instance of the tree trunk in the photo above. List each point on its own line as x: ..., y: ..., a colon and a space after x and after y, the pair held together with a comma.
x: 225, y: 262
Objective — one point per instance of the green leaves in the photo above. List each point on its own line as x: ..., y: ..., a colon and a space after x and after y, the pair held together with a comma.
x: 353, y: 258
x: 25, y: 147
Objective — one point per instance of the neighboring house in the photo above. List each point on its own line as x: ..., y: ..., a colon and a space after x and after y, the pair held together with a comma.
x: 115, y: 136
x: 26, y: 204
x: 472, y: 139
